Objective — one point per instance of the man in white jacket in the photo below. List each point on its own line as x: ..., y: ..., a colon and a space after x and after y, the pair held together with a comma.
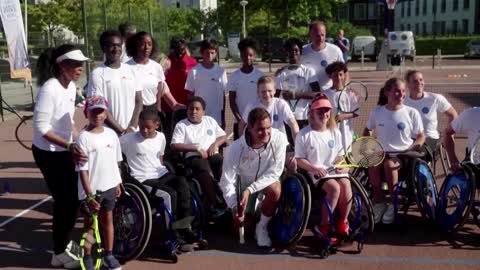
x: 257, y: 160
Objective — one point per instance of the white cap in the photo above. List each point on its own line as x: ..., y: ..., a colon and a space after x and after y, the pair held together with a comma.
x: 76, y: 55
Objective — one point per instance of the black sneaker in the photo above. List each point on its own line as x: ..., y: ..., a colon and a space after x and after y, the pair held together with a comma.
x: 183, y: 246
x: 88, y: 263
x: 111, y: 262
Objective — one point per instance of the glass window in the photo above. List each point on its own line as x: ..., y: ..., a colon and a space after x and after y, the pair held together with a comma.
x: 465, y: 26
x: 425, y: 7
x: 455, y: 5
x: 417, y: 7
x: 444, y: 6
x: 360, y: 11
x: 454, y: 26
x: 466, y: 4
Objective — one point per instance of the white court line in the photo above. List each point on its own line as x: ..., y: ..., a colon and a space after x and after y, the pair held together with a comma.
x: 25, y: 211
x: 446, y: 84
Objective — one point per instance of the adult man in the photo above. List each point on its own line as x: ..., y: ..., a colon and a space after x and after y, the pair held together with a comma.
x: 256, y: 160
x: 319, y: 54
x: 126, y: 30
x: 343, y: 43
x: 175, y: 77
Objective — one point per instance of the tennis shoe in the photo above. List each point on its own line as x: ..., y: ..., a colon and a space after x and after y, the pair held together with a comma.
x: 322, y: 232
x: 342, y: 228
x: 389, y: 215
x: 70, y: 258
x: 111, y: 262
x: 378, y: 211
x: 261, y: 234
x: 88, y: 263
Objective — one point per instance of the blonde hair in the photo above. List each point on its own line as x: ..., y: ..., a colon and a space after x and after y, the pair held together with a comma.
x: 331, y: 123
x: 410, y: 73
x: 316, y: 23
x: 389, y: 84
x: 265, y: 79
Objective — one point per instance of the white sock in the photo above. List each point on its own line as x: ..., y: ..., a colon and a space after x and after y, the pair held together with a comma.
x: 264, y: 220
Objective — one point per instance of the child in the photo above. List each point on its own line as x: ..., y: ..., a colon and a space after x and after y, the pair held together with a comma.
x: 297, y: 83
x: 242, y: 84
x: 318, y: 146
x: 398, y: 128
x: 209, y: 81
x: 277, y: 108
x: 199, y: 137
x: 144, y: 151
x: 100, y: 179
x: 338, y: 73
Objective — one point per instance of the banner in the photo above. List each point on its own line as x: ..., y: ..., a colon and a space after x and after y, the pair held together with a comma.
x: 17, y: 46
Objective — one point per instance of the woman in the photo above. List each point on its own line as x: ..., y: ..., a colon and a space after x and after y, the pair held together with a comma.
x: 149, y: 73
x: 428, y: 105
x: 318, y: 146
x: 53, y: 146
x: 199, y: 137
x: 395, y: 125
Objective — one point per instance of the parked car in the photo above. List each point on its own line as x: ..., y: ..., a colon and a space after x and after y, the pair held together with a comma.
x: 275, y: 51
x: 194, y: 48
x: 401, y: 43
x: 365, y: 43
x: 472, y: 49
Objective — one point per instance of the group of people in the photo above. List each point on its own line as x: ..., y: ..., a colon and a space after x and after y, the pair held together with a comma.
x: 132, y: 110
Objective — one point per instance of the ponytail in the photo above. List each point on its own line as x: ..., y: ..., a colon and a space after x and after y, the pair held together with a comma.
x: 47, y: 67
x: 382, y: 98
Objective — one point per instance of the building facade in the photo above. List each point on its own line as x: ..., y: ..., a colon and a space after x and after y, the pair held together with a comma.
x: 367, y: 14
x: 440, y: 17
x: 199, y: 4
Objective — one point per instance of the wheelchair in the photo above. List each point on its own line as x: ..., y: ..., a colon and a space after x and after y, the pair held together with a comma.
x: 457, y: 198
x: 299, y: 210
x: 416, y: 185
x: 136, y: 210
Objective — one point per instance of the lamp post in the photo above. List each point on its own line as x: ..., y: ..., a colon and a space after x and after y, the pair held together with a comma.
x: 243, y: 3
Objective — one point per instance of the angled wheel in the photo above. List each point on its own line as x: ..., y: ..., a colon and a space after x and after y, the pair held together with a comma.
x: 456, y: 198
x: 361, y: 218
x: 132, y: 219
x: 444, y: 160
x: 289, y: 222
x: 425, y: 189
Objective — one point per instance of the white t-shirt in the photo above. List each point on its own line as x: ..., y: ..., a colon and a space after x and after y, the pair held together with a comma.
x: 202, y: 134
x: 319, y: 60
x: 297, y: 80
x: 395, y: 129
x: 119, y: 87
x: 320, y: 148
x: 211, y: 85
x: 428, y: 106
x: 143, y: 155
x: 124, y: 58
x: 346, y: 126
x: 468, y: 123
x: 54, y: 109
x: 279, y: 111
x: 104, y: 153
x: 149, y: 75
x: 245, y: 87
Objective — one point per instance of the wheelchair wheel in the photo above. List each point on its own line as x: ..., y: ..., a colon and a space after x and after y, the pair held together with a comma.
x: 132, y: 219
x: 361, y: 175
x: 456, y: 198
x: 198, y: 223
x: 23, y: 132
x: 425, y: 189
x: 361, y: 218
x: 289, y: 222
x: 444, y: 160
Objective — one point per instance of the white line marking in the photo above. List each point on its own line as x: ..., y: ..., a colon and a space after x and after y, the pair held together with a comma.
x: 25, y: 211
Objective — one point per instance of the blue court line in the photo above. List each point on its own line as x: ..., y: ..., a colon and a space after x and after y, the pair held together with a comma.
x: 357, y: 258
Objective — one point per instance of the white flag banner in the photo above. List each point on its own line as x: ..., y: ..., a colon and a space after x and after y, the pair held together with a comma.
x: 17, y: 46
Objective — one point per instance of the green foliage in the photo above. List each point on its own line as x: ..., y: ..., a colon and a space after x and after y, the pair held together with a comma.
x: 448, y: 45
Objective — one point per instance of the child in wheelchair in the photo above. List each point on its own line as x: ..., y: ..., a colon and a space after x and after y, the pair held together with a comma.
x: 99, y: 177
x: 395, y: 125
x: 199, y: 137
x: 144, y: 152
x: 318, y: 146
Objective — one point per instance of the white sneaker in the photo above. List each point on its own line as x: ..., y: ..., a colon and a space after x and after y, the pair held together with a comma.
x: 261, y: 234
x: 70, y: 258
x: 378, y: 211
x: 389, y: 215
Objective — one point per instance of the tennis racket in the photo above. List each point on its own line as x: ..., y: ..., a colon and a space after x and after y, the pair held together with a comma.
x: 93, y: 242
x: 294, y: 83
x: 364, y: 152
x: 352, y: 97
x: 475, y: 152
x: 241, y: 228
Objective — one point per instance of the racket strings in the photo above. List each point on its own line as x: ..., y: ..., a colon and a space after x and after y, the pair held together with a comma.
x: 366, y: 153
x: 475, y: 154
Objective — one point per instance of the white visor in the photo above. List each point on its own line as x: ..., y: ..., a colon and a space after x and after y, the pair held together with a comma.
x: 75, y: 55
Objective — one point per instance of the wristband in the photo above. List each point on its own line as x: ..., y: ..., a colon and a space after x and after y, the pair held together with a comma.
x: 70, y: 146
x: 90, y: 197
x: 199, y: 150
x: 131, y: 127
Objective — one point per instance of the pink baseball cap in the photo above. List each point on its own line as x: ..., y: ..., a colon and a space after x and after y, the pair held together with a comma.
x: 95, y: 102
x: 321, y: 103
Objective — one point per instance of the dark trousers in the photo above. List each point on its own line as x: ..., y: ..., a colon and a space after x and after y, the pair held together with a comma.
x: 179, y: 191
x: 208, y: 173
x: 58, y: 170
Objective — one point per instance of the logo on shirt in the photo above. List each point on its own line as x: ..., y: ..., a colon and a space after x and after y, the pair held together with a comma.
x: 331, y: 144
x: 213, y: 79
x: 401, y: 126
x: 109, y: 146
x: 275, y: 117
x: 210, y: 132
x: 381, y: 124
x: 425, y: 110
x: 324, y: 63
x: 252, y: 82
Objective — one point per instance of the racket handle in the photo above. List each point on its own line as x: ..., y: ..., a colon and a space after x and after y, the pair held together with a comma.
x: 241, y: 234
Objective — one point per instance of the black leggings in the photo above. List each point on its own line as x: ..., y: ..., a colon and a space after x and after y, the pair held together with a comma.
x: 179, y: 191
x: 203, y: 170
x: 58, y: 170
